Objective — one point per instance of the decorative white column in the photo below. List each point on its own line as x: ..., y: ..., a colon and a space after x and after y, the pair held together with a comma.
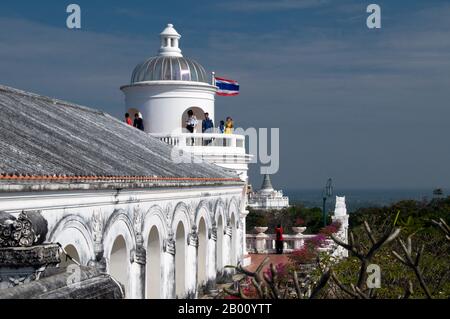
x: 212, y: 262
x: 168, y: 270
x: 192, y: 260
x: 243, y: 230
x: 238, y: 241
x: 228, y: 234
x: 137, y: 273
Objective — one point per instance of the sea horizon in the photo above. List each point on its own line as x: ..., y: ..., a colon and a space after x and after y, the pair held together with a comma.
x: 359, y: 197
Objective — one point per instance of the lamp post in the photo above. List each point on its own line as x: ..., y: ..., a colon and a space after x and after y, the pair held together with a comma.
x: 327, y: 193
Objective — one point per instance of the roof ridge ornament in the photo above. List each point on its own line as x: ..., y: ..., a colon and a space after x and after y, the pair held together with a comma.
x: 170, y: 42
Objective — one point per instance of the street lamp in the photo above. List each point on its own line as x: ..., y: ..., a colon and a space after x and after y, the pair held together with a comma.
x: 327, y: 193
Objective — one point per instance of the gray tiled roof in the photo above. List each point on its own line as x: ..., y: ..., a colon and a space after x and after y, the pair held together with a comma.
x: 42, y: 136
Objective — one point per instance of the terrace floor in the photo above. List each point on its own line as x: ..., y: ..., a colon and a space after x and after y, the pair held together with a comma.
x: 257, y: 259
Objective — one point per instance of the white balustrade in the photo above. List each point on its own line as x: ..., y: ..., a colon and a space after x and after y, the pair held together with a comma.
x: 204, y: 140
x: 258, y: 244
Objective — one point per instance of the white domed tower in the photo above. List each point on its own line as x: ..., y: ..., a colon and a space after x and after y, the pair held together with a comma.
x: 165, y: 87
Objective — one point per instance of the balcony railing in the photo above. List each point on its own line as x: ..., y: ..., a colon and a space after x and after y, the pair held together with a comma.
x: 203, y: 140
x: 259, y: 244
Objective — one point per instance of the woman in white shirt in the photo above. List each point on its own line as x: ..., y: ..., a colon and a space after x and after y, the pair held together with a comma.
x: 191, y: 123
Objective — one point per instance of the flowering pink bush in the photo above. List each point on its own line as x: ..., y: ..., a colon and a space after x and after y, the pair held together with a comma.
x: 331, y: 229
x: 316, y: 241
x: 308, y: 253
x: 304, y: 255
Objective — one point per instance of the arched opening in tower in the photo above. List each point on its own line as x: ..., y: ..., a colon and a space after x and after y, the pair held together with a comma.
x: 153, y: 267
x: 202, y: 249
x: 133, y: 112
x: 199, y: 113
x: 180, y: 261
x: 118, y: 262
x: 72, y: 252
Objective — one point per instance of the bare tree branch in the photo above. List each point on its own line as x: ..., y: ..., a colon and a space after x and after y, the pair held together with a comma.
x: 342, y: 286
x: 369, y: 232
x: 413, y: 263
x: 322, y: 282
x: 408, y: 290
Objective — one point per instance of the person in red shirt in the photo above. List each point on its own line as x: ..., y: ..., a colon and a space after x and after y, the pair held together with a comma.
x: 128, y: 119
x: 279, y: 239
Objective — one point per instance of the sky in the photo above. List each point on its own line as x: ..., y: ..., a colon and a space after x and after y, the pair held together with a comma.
x: 367, y: 107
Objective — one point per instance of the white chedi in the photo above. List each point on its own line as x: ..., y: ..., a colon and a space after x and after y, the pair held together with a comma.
x: 341, y: 208
x: 340, y: 215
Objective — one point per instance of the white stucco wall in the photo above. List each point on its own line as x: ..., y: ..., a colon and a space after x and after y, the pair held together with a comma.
x: 163, y: 103
x: 91, y: 221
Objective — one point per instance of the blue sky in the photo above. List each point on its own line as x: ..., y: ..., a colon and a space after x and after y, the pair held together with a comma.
x: 369, y: 108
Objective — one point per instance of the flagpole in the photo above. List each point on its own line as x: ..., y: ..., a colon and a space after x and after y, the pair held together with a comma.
x: 213, y: 78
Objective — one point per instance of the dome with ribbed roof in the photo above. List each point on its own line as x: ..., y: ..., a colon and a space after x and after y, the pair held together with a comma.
x: 169, y: 65
x: 169, y: 68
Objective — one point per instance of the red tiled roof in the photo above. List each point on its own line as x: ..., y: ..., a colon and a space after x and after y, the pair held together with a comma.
x: 19, y: 177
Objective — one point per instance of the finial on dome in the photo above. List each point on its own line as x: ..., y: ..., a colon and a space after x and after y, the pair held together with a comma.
x: 170, y: 42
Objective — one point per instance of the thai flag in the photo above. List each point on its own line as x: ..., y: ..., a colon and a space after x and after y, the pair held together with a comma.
x: 227, y: 87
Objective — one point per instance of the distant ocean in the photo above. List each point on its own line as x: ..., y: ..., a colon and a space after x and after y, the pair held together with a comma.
x: 358, y: 198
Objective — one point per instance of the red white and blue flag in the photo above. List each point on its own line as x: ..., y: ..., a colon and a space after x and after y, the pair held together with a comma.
x: 227, y: 87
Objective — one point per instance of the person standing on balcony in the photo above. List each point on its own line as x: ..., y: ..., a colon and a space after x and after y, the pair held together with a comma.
x: 138, y: 121
x: 128, y: 119
x: 207, y: 127
x: 279, y: 239
x: 229, y: 126
x: 222, y: 127
x: 191, y: 122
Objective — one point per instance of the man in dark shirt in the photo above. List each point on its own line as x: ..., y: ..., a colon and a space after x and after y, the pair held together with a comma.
x: 207, y: 127
x: 138, y: 122
x: 208, y: 124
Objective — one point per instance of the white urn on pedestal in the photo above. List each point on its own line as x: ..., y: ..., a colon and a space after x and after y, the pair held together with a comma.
x: 261, y: 240
x: 299, y: 240
x: 298, y: 230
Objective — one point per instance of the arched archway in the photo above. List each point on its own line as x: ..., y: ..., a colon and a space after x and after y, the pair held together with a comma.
x: 118, y: 262
x: 72, y: 251
x: 199, y: 114
x: 202, y: 251
x: 153, y: 267
x: 133, y: 112
x: 180, y: 261
x: 72, y: 231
